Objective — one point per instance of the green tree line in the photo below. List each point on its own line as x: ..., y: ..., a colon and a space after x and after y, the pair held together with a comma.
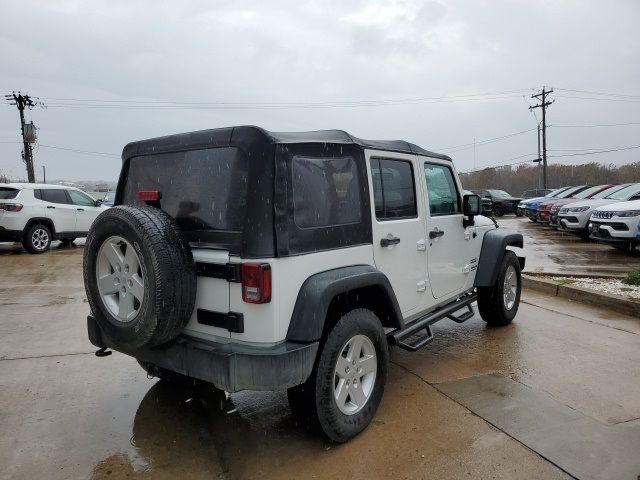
x: 516, y: 180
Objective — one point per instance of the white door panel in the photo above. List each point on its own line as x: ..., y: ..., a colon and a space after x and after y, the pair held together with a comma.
x: 448, y: 239
x: 399, y: 247
x: 86, y: 216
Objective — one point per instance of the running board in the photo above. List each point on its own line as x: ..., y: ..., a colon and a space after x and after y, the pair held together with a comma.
x: 401, y: 337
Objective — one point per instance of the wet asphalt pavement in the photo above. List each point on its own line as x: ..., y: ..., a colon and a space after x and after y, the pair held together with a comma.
x: 554, y: 395
x: 551, y: 251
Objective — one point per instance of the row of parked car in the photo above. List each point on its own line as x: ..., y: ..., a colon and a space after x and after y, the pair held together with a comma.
x: 605, y: 213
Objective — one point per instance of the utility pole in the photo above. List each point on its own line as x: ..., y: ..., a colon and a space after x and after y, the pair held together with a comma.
x: 28, y: 129
x: 543, y: 104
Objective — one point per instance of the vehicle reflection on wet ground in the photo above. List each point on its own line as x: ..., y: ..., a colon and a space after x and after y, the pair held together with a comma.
x: 68, y: 414
x: 551, y: 251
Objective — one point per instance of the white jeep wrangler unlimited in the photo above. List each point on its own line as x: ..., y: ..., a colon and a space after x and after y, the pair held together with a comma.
x: 259, y: 260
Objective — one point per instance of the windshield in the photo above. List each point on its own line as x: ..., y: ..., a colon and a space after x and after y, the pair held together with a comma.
x: 625, y: 192
x: 567, y: 192
x: 589, y: 191
x: 499, y: 194
x: 110, y: 197
x: 557, y: 192
x: 608, y: 191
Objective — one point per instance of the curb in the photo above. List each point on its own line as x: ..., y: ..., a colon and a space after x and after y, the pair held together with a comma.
x: 583, y: 295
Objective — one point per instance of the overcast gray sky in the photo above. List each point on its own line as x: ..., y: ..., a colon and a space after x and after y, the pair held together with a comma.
x: 121, y: 57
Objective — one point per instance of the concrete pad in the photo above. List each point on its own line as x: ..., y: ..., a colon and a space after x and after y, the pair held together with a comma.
x: 586, y: 363
x: 581, y: 446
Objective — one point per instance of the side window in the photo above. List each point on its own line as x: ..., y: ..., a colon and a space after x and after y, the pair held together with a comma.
x: 442, y: 190
x: 79, y: 198
x: 394, y: 191
x: 326, y: 191
x: 55, y: 195
x: 38, y: 194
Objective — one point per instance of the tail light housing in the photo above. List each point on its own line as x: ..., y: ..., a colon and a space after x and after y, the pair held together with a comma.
x: 256, y: 282
x: 150, y: 197
x: 11, y: 207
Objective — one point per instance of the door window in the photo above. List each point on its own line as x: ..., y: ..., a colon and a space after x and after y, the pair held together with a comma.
x: 79, y: 198
x: 393, y: 189
x: 442, y: 190
x: 55, y: 195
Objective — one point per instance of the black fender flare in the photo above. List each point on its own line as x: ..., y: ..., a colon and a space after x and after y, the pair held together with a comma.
x: 318, y: 291
x: 43, y: 220
x: 494, y: 244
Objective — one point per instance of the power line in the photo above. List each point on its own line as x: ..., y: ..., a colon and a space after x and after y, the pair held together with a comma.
x: 75, y: 150
x: 591, y: 92
x: 629, y: 100
x: 594, y: 126
x: 86, y: 152
x: 163, y: 103
x: 595, y: 152
x: 466, y: 146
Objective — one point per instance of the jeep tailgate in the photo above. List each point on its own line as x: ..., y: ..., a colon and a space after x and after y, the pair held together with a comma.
x: 212, y: 296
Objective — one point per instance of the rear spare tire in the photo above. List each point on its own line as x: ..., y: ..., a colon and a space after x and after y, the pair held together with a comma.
x: 139, y: 276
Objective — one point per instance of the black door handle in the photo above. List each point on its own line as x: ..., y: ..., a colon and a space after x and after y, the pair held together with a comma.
x: 389, y: 240
x: 435, y: 234
x: 50, y: 206
x: 80, y: 209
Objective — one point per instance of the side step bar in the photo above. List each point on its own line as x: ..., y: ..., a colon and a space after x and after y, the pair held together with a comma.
x: 400, y: 336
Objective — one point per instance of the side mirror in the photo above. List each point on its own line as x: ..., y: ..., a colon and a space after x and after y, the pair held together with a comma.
x: 98, y: 203
x: 470, y: 208
x: 471, y: 205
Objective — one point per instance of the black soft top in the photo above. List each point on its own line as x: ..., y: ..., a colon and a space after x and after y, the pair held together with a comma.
x: 248, y: 136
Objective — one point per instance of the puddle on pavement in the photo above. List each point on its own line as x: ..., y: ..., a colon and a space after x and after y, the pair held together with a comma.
x: 198, y: 433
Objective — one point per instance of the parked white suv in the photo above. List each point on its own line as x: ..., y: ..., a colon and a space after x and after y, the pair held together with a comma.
x: 35, y: 214
x: 574, y: 217
x: 617, y: 224
x: 260, y: 260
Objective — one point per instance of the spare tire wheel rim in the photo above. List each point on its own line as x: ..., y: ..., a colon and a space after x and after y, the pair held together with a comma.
x: 510, y: 287
x: 355, y: 374
x: 120, y: 278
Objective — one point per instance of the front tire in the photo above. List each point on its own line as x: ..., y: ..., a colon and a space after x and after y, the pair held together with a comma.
x: 498, y: 304
x: 37, y: 239
x: 345, y: 388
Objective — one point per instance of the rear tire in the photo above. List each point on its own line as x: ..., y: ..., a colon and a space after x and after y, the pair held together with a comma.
x: 37, y: 239
x: 498, y: 304
x: 346, y: 385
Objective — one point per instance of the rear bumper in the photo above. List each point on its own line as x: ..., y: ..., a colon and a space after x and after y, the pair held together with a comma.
x: 10, y: 235
x: 229, y: 366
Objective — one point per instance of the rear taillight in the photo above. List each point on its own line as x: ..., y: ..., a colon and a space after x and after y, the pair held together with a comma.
x: 256, y: 282
x: 149, y: 195
x: 11, y: 207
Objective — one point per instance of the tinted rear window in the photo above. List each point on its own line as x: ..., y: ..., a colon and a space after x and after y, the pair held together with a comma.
x: 201, y: 189
x: 7, y: 193
x: 326, y: 191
